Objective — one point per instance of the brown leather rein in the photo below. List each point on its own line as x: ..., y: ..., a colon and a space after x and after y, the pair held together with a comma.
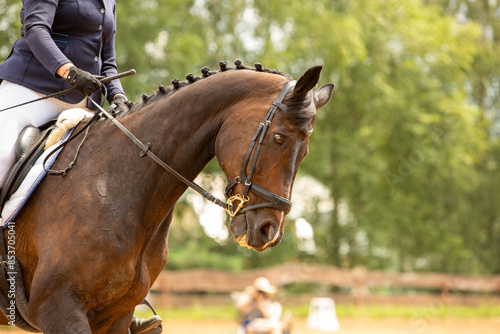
x: 234, y: 204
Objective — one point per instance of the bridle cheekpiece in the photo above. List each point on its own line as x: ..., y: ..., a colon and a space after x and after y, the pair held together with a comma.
x: 235, y: 204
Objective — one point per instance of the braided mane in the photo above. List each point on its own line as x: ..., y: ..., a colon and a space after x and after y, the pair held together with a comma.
x: 191, y: 78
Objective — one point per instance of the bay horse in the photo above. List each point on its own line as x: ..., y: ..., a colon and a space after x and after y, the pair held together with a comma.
x: 91, y: 244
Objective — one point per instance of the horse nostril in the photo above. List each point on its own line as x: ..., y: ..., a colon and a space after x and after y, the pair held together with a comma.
x: 267, y: 232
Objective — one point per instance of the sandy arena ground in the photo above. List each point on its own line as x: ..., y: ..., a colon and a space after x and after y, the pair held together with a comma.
x: 348, y: 326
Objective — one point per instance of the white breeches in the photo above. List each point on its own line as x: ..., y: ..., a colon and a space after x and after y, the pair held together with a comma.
x: 13, y: 121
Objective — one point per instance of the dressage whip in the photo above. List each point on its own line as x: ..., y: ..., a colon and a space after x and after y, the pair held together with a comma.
x: 103, y: 80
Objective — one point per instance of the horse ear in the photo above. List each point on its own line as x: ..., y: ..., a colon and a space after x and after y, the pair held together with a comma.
x: 323, y: 95
x: 307, y: 82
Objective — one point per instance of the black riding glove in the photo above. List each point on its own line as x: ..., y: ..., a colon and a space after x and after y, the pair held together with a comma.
x: 120, y: 98
x: 119, y: 103
x: 82, y: 81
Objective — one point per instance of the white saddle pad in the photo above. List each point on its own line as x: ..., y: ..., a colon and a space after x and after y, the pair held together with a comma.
x: 34, y: 177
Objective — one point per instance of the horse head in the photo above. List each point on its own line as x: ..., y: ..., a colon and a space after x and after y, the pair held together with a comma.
x: 261, y: 165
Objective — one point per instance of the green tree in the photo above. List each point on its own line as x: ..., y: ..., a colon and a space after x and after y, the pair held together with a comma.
x: 483, y: 233
x: 9, y: 25
x: 398, y: 145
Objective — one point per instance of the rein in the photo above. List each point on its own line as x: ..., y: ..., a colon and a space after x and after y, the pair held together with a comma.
x: 145, y: 151
x: 275, y: 201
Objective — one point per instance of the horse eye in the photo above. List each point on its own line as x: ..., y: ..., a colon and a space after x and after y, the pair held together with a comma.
x: 279, y: 139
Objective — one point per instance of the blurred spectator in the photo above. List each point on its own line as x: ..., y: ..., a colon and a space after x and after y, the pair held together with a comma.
x: 259, y: 313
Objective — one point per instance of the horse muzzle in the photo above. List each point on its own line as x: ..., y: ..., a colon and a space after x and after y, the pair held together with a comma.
x: 253, y: 232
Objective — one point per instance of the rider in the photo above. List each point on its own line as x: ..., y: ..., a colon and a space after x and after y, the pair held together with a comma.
x: 63, y: 44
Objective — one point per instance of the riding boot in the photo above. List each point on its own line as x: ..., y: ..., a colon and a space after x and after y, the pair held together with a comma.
x: 146, y: 326
x: 27, y: 138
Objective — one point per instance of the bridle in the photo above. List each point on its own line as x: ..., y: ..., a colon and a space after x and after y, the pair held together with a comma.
x: 274, y: 201
x: 234, y: 204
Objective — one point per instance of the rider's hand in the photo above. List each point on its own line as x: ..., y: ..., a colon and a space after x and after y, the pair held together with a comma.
x: 119, y: 98
x: 83, y: 81
x: 119, y: 102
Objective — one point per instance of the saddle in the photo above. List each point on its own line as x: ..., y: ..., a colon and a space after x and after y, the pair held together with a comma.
x: 31, y: 144
x: 29, y: 147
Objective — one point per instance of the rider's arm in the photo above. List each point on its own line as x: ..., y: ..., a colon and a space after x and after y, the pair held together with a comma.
x: 63, y: 71
x: 38, y: 20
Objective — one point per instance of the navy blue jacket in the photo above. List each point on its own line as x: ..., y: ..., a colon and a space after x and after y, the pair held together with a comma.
x: 57, y: 32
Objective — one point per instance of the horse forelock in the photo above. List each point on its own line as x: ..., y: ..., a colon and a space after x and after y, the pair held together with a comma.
x: 163, y: 91
x: 301, y: 111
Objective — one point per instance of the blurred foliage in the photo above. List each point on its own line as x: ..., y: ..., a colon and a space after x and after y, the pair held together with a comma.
x: 10, y: 25
x: 408, y: 148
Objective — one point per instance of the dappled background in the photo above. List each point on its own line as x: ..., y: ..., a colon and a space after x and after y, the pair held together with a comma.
x: 403, y: 173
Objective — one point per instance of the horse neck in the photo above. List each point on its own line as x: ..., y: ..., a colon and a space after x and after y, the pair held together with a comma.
x: 181, y: 129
